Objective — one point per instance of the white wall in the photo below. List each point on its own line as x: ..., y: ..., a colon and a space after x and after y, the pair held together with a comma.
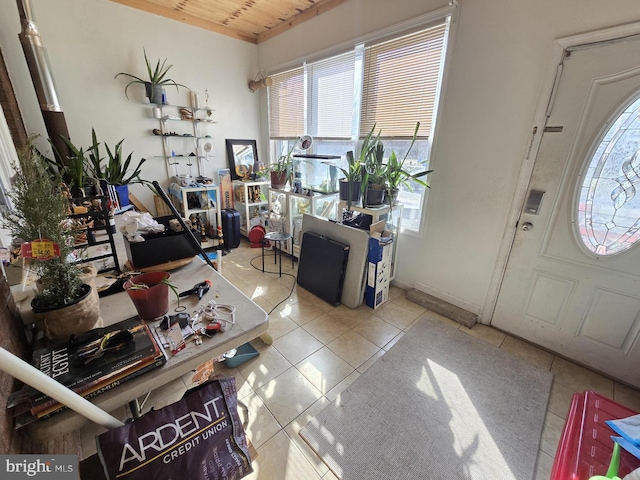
x: 499, y: 65
x: 89, y: 41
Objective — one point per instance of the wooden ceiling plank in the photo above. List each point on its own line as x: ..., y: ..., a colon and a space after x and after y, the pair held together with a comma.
x: 186, y: 18
x: 318, y: 8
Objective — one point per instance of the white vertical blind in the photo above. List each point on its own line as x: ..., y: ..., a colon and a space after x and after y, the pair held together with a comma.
x: 286, y: 104
x: 331, y: 94
x: 401, y: 83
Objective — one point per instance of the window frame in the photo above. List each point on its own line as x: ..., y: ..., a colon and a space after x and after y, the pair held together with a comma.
x: 446, y: 16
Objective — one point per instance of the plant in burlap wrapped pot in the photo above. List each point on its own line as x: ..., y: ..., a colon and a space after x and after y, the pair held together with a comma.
x: 64, y: 305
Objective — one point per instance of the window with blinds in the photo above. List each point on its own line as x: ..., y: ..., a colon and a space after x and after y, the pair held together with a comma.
x: 401, y: 79
x: 287, y: 104
x: 390, y: 83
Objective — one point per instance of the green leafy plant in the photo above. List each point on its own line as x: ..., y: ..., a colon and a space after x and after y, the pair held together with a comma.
x: 396, y: 174
x: 157, y: 75
x: 71, y: 169
x: 40, y: 212
x: 116, y: 170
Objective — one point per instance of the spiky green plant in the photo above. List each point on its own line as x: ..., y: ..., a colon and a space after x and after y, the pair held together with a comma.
x: 156, y: 75
x: 116, y: 170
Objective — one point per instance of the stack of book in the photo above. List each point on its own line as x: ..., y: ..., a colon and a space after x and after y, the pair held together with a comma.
x: 92, y: 374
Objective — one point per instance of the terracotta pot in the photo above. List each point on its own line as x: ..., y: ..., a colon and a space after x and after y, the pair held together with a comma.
x: 75, y: 318
x: 152, y: 302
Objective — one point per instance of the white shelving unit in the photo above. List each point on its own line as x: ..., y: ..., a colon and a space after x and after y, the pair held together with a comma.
x: 287, y: 208
x: 202, y: 201
x: 392, y: 217
x: 186, y: 138
x: 251, y: 202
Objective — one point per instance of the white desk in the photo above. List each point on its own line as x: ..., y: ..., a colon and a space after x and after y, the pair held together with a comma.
x: 251, y: 322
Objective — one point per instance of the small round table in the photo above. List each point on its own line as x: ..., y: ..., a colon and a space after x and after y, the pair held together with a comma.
x: 277, y: 238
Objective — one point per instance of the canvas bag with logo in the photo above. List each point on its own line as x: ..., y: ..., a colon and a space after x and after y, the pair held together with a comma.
x: 200, y: 437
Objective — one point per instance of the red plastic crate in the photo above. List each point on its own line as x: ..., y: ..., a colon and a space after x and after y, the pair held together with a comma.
x: 585, y: 446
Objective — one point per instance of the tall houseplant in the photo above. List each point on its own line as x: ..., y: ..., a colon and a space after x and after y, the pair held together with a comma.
x: 116, y: 171
x: 156, y: 82
x: 396, y: 174
x: 64, y: 305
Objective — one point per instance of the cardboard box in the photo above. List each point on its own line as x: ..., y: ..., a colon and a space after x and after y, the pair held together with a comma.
x: 161, y: 248
x: 379, y: 265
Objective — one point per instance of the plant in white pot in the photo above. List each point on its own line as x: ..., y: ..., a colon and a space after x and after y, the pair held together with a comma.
x: 65, y: 305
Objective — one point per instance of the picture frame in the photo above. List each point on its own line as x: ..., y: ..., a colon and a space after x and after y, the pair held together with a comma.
x: 242, y: 155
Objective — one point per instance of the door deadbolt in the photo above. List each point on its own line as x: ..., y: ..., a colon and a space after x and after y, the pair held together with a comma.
x: 526, y: 226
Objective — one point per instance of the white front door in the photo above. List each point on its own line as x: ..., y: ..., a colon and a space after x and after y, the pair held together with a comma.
x: 562, y: 288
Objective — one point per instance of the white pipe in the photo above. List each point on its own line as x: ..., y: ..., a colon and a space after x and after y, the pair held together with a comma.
x: 30, y: 375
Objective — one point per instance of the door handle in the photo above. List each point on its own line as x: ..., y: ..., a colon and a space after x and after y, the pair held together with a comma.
x: 526, y: 226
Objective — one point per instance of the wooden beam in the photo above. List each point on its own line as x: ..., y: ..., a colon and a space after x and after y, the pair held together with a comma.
x: 318, y: 8
x: 185, y: 18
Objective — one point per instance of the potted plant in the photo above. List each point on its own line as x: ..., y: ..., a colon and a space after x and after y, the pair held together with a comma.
x: 72, y: 169
x: 373, y: 177
x: 116, y: 171
x: 149, y: 293
x: 156, y: 82
x: 396, y: 174
x: 282, y: 169
x: 65, y: 305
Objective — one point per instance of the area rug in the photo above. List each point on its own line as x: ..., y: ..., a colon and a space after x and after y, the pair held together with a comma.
x: 440, y: 404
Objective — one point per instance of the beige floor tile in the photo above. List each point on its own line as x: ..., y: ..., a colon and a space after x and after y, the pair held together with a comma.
x: 281, y: 459
x: 262, y: 424
x: 544, y: 464
x: 377, y: 330
x: 320, y: 303
x: 297, y: 345
x: 528, y: 352
x: 261, y: 369
x: 330, y: 476
x: 280, y: 324
x: 351, y: 316
x: 326, y: 328
x: 288, y: 395
x: 324, y: 369
x: 333, y: 394
x: 393, y: 341
x: 273, y: 292
x: 404, y: 302
x: 302, y: 312
x: 353, y: 348
x: 483, y: 332
x: 627, y: 396
x: 560, y: 399
x: 363, y: 368
x: 293, y: 430
x: 579, y: 378
x: 396, y: 315
x: 551, y: 433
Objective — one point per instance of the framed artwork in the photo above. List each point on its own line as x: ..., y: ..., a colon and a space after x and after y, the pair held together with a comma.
x: 242, y: 155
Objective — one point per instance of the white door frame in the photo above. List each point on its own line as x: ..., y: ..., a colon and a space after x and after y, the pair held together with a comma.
x: 541, y: 115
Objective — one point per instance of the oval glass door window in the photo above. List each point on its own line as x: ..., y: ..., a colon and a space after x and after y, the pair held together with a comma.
x: 609, y: 203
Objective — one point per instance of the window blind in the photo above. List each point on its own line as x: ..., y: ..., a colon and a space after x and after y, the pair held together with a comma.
x: 331, y: 94
x: 401, y: 83
x: 287, y: 104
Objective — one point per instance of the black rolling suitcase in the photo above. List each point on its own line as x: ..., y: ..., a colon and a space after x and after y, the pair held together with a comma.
x: 230, y: 228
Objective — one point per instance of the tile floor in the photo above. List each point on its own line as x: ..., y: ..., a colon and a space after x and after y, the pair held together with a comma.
x: 319, y: 350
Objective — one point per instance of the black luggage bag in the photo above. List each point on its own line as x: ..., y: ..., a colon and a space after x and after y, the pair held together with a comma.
x: 230, y: 228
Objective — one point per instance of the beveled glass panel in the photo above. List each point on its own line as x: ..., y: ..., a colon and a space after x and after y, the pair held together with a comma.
x: 608, y: 214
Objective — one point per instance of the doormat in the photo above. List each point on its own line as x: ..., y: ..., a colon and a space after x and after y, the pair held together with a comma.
x: 440, y: 404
